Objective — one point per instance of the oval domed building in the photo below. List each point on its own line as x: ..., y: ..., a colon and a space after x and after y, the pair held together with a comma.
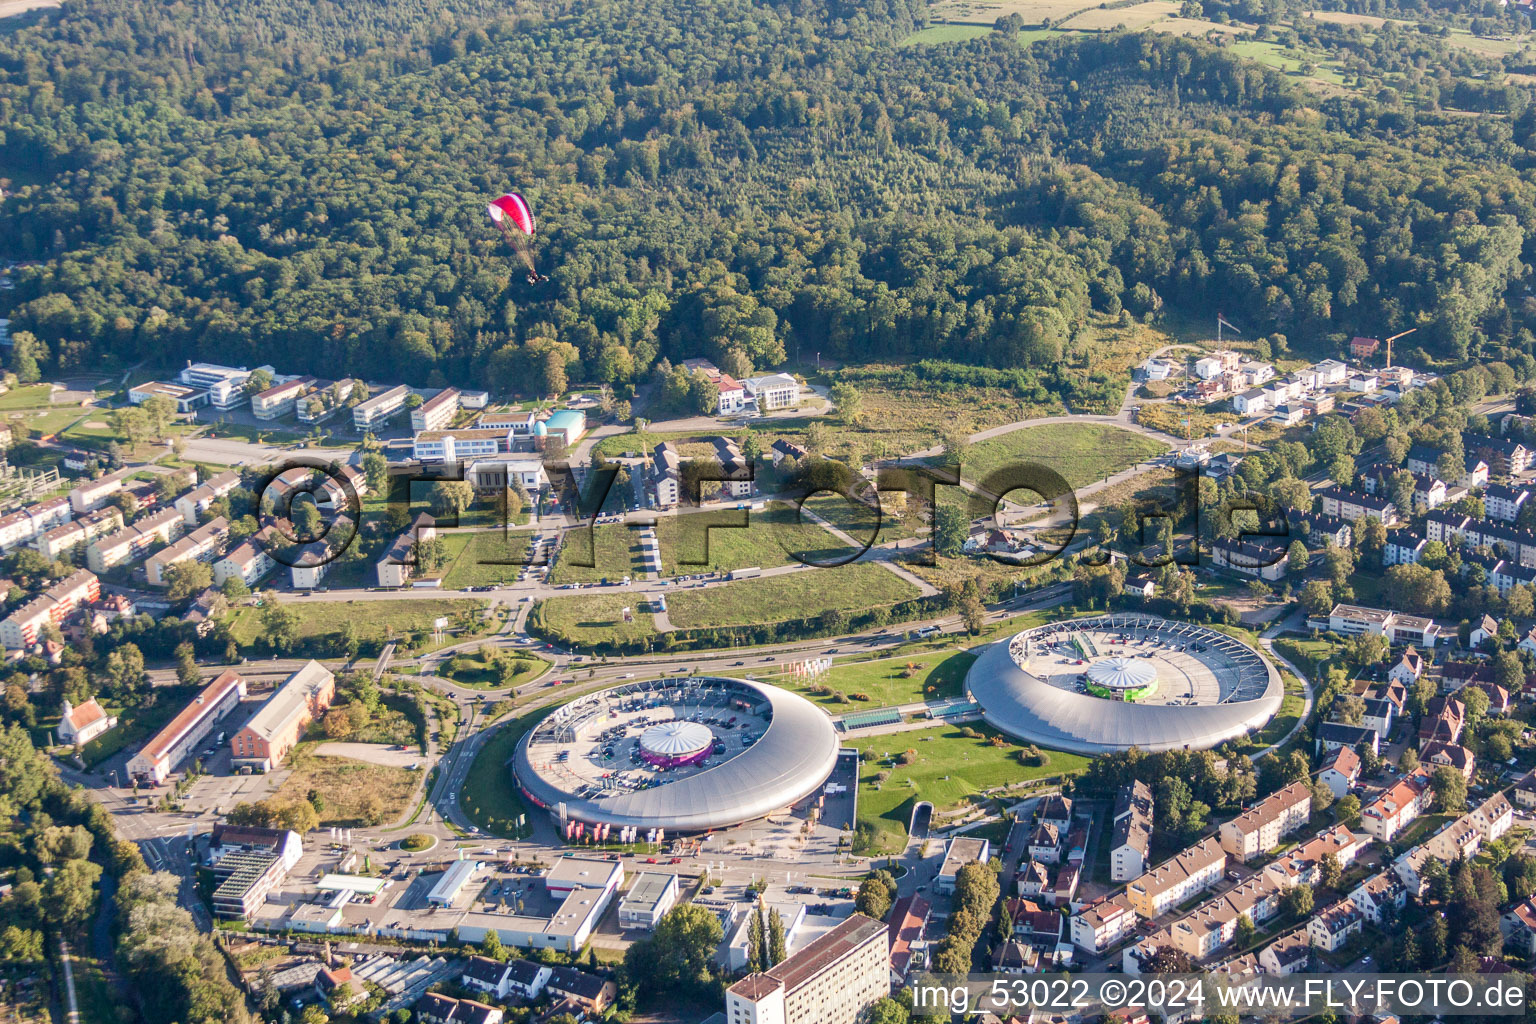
x: 1112, y: 682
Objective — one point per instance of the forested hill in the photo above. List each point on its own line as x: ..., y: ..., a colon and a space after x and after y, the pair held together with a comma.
x: 304, y: 183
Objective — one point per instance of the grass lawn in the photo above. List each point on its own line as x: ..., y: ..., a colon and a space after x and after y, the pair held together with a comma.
x: 373, y: 620
x: 1137, y: 16
x: 614, y: 550
x: 30, y: 396
x: 473, y: 557
x: 886, y: 682
x: 945, y: 34
x: 792, y: 596
x: 1083, y: 453
x: 355, y: 792
x: 950, y: 769
x: 861, y: 523
x: 137, y: 724
x: 597, y: 619
x: 709, y: 541
x: 488, y: 795
x: 1421, y: 829
x: 1284, y: 721
x: 479, y: 671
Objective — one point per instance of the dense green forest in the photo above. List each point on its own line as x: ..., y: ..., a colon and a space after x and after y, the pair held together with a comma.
x: 304, y: 184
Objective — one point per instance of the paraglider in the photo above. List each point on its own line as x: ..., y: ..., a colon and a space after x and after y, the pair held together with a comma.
x: 514, y: 217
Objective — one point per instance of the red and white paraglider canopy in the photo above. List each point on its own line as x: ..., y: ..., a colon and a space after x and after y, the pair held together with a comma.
x: 515, y: 208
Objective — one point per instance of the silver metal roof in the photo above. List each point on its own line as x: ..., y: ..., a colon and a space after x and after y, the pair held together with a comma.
x: 1122, y: 673
x: 1033, y: 710
x: 788, y: 762
x: 674, y: 738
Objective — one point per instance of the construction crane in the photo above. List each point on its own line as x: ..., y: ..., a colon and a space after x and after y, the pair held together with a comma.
x: 1394, y: 337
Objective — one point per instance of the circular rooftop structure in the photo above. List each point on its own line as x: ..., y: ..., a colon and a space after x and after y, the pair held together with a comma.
x: 1111, y: 682
x: 685, y: 755
x: 676, y: 743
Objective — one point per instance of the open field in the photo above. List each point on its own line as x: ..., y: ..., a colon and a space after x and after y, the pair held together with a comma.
x: 373, y: 620
x: 613, y: 548
x: 1034, y: 12
x: 793, y: 596
x: 1346, y: 18
x: 888, y: 681
x: 28, y: 396
x: 474, y: 557
x: 353, y: 792
x: 595, y: 619
x: 1083, y: 453
x: 859, y: 522
x: 770, y: 538
x: 1194, y: 27
x: 1101, y: 19
x: 1289, y: 60
x: 949, y: 769
x: 945, y: 34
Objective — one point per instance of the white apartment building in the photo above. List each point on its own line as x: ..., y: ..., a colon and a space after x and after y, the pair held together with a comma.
x: 1132, y: 842
x: 833, y: 980
x: 281, y: 399
x: 65, y: 538
x: 248, y: 562
x: 201, y: 545
x: 195, y: 502
x: 132, y: 542
x: 666, y: 474
x: 24, y: 526
x: 378, y: 410
x: 1101, y: 925
x: 92, y: 494
x: 1175, y: 880
x: 436, y: 412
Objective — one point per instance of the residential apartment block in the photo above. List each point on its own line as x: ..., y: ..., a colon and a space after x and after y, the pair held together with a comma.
x: 1132, y: 840
x: 26, y: 525
x: 248, y: 561
x: 195, y: 502
x: 378, y: 410
x: 23, y: 627
x: 201, y: 545
x: 62, y: 539
x: 92, y: 494
x: 132, y: 543
x: 833, y: 980
x: 1261, y: 827
x: 1175, y: 880
x: 436, y: 412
